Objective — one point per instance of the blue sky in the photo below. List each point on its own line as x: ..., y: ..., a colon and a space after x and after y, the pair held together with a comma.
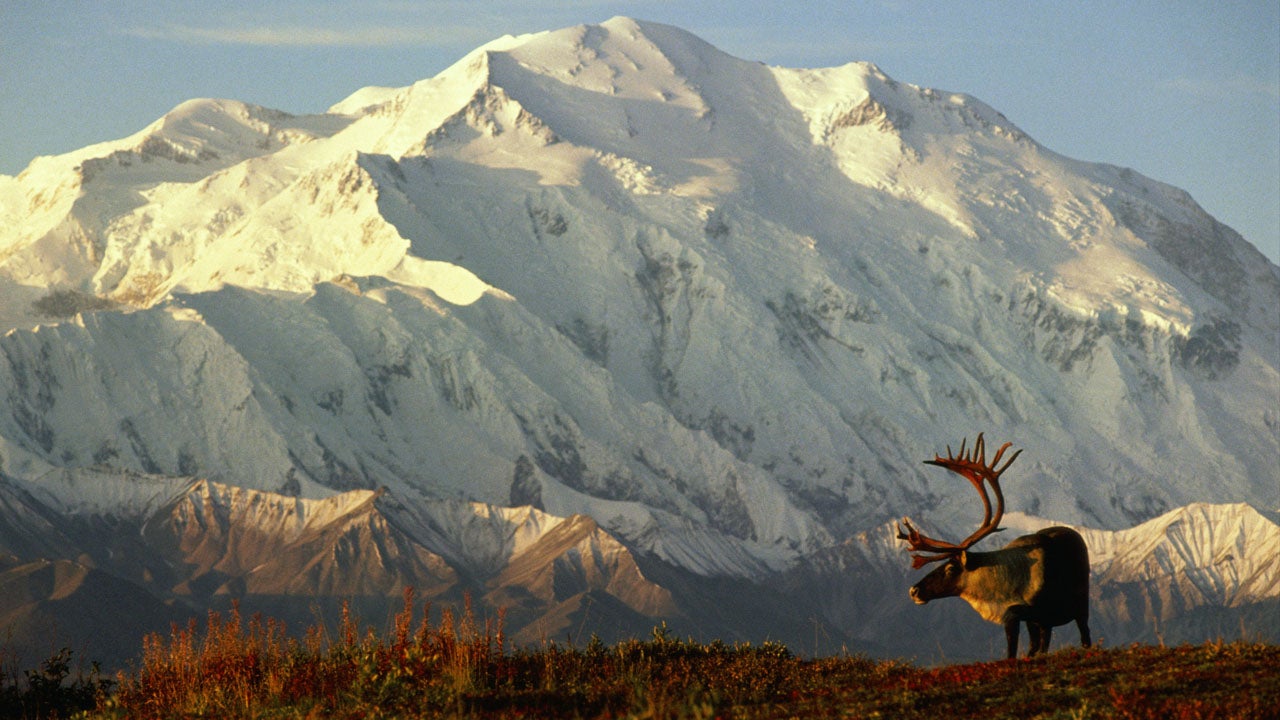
x: 1185, y: 92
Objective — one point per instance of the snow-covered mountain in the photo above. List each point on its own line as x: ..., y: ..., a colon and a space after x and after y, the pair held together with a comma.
x: 174, y: 548
x: 609, y: 282
x: 186, y: 546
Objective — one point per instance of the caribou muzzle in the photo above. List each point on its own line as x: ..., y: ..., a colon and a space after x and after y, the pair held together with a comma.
x: 915, y: 595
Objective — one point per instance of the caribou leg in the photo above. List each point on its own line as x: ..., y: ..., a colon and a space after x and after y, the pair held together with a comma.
x: 1011, y: 623
x: 1033, y: 638
x: 1046, y: 632
x: 1082, y: 624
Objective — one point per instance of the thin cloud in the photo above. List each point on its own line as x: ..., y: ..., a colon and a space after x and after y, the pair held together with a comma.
x: 304, y: 36
x: 399, y: 23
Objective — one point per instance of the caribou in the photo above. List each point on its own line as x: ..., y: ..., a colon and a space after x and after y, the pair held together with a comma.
x: 1041, y: 579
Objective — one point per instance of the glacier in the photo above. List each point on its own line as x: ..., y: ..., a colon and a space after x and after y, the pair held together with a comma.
x: 715, y: 311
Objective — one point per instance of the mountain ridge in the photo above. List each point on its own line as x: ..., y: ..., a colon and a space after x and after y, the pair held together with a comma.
x: 299, y: 557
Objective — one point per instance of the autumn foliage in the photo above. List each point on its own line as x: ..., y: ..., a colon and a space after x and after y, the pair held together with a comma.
x: 460, y: 667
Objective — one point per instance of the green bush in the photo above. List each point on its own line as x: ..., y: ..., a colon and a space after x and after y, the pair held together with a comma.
x: 51, y: 691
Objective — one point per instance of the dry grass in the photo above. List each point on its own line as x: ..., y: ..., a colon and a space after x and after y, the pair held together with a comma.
x: 460, y: 668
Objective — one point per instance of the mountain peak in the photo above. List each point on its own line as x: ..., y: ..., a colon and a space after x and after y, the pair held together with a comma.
x: 621, y: 59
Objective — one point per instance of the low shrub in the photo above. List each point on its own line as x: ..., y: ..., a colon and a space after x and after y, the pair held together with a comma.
x: 52, y: 691
x: 459, y: 667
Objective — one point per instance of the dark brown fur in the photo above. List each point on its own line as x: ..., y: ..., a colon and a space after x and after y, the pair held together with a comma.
x: 1041, y: 579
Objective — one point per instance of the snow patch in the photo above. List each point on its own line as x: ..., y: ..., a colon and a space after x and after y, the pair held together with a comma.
x: 456, y: 285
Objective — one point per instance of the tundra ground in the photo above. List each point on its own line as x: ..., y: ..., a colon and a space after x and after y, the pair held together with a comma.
x: 459, y: 667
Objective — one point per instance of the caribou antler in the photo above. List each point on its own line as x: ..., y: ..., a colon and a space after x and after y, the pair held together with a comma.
x: 974, y: 468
